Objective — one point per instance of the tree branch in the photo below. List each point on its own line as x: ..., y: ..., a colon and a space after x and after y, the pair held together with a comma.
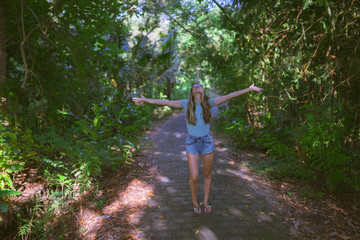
x: 22, y: 46
x: 181, y: 25
x: 225, y: 13
x: 2, y: 45
x: 204, y: 32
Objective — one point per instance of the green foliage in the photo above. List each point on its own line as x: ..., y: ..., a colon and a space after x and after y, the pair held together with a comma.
x: 34, y: 223
x: 12, y: 147
x: 6, y: 193
x: 276, y: 148
x: 311, y: 193
x: 321, y: 145
x: 281, y: 168
x: 315, y: 147
x: 71, y: 73
x: 297, y: 52
x: 231, y: 123
x: 71, y: 159
x: 104, y: 139
x: 99, y: 202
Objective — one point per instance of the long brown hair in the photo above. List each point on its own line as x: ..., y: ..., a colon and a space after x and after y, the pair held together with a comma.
x: 191, y: 108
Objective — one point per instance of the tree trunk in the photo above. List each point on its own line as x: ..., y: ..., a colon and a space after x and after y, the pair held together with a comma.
x: 2, y: 56
x: 2, y: 44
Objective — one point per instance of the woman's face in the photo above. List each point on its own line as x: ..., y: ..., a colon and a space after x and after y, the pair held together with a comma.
x: 197, y: 88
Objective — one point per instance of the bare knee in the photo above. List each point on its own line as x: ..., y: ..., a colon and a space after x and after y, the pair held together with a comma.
x: 207, y: 175
x: 194, y: 179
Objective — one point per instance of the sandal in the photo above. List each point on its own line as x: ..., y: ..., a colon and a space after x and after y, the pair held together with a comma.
x: 207, y: 209
x: 198, y: 209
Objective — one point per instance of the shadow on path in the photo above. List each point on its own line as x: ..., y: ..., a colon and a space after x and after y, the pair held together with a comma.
x: 238, y: 211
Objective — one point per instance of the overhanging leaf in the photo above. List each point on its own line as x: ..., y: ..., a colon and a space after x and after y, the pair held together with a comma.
x: 4, y: 193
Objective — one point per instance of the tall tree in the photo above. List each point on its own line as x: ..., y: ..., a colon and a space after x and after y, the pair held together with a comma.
x: 2, y: 55
x: 2, y: 43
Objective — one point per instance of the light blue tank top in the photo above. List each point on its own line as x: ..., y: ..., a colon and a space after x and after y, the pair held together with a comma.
x: 201, y: 128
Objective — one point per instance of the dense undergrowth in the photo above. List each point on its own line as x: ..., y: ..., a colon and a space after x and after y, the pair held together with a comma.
x: 314, y: 150
x: 67, y: 160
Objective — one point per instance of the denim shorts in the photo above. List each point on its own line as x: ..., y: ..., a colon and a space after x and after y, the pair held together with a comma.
x: 199, y: 145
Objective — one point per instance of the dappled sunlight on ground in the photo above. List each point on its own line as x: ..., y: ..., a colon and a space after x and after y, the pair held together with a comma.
x: 164, y: 179
x: 116, y: 209
x: 89, y: 222
x: 246, y: 176
x: 221, y: 149
x: 135, y: 194
x: 183, y: 155
x: 237, y: 212
x: 220, y: 160
x: 173, y: 134
x: 125, y: 209
x: 206, y: 233
x: 179, y: 135
x: 234, y: 170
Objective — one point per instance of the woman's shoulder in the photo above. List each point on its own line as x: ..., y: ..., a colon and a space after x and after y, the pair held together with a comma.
x: 211, y: 102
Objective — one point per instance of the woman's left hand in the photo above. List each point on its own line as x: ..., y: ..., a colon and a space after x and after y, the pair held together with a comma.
x: 255, y: 88
x: 139, y: 101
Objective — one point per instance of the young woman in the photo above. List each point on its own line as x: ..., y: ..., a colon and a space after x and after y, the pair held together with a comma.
x: 199, y: 141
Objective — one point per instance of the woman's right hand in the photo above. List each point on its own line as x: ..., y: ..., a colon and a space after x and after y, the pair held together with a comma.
x: 140, y: 100
x: 255, y: 88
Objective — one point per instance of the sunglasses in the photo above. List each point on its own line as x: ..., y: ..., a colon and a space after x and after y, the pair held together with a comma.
x: 197, y: 85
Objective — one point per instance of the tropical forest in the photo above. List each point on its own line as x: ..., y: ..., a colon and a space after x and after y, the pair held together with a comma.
x: 80, y: 159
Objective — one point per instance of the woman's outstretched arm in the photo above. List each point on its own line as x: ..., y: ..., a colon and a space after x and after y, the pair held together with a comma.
x: 222, y: 99
x: 142, y: 99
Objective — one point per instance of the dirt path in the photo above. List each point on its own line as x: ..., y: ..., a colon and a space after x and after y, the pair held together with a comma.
x: 240, y: 211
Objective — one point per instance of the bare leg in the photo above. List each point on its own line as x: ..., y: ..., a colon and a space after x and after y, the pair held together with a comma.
x: 193, y: 162
x: 207, y: 167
